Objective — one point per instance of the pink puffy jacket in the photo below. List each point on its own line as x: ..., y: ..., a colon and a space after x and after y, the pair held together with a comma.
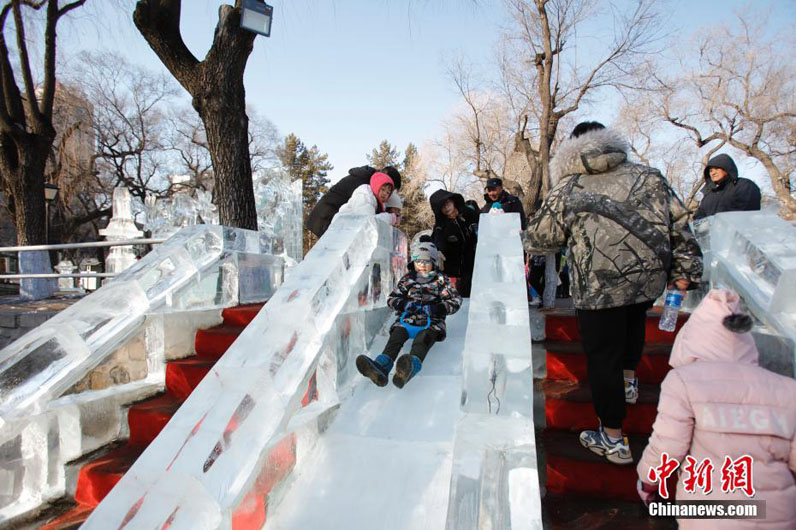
x: 717, y: 402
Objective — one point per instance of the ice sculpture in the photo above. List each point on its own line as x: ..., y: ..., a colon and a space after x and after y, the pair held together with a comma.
x: 121, y: 228
x: 279, y: 209
x: 494, y: 482
x: 243, y: 428
x: 199, y: 267
x: 754, y: 253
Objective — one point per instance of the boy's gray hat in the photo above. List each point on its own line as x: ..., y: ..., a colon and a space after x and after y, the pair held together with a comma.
x: 424, y: 250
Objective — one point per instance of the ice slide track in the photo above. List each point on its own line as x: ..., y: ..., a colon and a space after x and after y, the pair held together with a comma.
x: 454, y: 449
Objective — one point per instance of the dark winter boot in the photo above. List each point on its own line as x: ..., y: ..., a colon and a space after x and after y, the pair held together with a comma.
x: 377, y: 370
x: 406, y: 368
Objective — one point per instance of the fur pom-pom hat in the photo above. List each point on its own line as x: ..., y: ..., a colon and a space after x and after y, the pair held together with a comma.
x: 717, y: 331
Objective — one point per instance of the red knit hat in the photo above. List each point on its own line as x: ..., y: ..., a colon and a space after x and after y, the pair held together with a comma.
x: 377, y: 180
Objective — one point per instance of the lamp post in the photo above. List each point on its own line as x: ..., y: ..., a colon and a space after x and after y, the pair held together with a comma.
x: 50, y: 193
x: 256, y: 16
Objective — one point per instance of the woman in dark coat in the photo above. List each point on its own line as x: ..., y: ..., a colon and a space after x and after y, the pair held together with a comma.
x: 455, y: 235
x: 321, y: 216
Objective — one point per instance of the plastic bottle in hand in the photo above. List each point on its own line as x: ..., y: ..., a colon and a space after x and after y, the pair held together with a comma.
x: 674, y: 299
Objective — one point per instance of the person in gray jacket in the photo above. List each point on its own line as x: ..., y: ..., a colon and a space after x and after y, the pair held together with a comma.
x: 627, y: 237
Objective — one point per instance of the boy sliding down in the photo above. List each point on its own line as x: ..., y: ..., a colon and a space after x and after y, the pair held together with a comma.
x: 426, y: 296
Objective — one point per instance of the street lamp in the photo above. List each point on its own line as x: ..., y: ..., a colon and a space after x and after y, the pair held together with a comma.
x: 50, y: 193
x: 256, y: 17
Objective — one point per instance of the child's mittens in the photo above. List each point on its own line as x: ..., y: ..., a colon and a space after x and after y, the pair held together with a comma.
x: 437, y: 310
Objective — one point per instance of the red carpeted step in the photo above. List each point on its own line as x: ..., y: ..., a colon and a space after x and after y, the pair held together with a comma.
x: 213, y: 342
x: 574, y: 470
x: 183, y: 375
x: 568, y: 406
x: 566, y: 361
x: 242, y: 315
x: 70, y: 520
x: 561, y: 325
x: 147, y: 418
x: 96, y: 479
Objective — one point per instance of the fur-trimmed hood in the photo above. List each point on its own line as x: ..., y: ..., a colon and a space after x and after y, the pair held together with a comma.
x: 596, y: 151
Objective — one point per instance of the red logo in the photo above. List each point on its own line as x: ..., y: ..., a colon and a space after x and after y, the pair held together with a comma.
x: 660, y: 473
x: 698, y: 475
x: 737, y: 475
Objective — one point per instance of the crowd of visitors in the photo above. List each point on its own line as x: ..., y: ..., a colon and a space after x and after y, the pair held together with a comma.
x: 622, y: 236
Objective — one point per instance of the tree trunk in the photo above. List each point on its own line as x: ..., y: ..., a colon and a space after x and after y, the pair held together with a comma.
x: 216, y: 85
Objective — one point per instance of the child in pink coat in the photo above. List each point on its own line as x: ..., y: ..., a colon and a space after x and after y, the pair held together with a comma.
x: 717, y: 403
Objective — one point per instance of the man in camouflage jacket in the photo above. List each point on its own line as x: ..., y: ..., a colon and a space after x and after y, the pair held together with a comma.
x: 627, y: 237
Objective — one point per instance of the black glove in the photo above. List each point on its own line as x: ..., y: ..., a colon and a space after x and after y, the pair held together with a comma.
x: 400, y: 305
x: 438, y: 310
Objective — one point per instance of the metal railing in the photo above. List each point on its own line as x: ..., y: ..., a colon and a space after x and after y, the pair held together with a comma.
x: 69, y: 246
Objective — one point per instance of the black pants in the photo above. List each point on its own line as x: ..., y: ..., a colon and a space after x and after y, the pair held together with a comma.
x: 420, y: 346
x: 613, y: 340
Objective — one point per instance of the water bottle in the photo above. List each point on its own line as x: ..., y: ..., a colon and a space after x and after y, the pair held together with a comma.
x: 674, y: 299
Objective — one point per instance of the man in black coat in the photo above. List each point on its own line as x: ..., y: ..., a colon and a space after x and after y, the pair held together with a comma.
x: 726, y: 192
x: 508, y: 203
x: 322, y: 214
x: 455, y: 235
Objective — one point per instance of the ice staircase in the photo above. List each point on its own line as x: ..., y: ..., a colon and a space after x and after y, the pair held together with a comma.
x: 98, y: 474
x: 583, y: 489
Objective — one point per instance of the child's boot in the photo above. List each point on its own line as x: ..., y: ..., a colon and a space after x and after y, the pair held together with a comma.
x: 406, y: 368
x: 377, y: 370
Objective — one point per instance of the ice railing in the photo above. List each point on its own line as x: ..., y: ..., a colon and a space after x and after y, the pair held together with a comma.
x: 753, y: 253
x: 494, y: 481
x: 201, y: 266
x: 265, y: 402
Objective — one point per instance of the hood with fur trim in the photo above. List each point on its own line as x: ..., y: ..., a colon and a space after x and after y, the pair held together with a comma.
x: 593, y: 152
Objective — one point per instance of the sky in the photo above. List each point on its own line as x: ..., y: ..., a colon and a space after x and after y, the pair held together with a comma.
x: 346, y: 74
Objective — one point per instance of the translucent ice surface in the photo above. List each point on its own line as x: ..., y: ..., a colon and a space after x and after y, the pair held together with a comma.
x: 200, y: 267
x: 754, y: 253
x: 229, y: 437
x: 285, y: 433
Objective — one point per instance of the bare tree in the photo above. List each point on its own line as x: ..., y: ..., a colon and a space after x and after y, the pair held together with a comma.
x: 542, y: 41
x: 741, y: 91
x: 218, y: 96
x: 189, y: 141
x: 26, y: 113
x: 128, y: 115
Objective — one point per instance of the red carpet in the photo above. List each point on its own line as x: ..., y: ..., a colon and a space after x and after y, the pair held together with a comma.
x: 575, y: 475
x: 147, y: 418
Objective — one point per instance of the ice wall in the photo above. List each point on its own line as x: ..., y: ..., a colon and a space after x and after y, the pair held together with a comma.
x: 494, y: 482
x: 199, y: 267
x: 754, y: 253
x: 265, y: 402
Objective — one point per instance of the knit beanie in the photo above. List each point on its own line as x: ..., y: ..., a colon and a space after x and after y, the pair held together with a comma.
x: 377, y: 180
x: 424, y: 251
x: 394, y: 201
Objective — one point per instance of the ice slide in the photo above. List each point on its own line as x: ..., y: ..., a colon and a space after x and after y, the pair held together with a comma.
x: 453, y: 449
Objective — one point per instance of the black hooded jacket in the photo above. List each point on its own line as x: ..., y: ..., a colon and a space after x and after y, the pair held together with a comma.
x: 731, y: 194
x: 455, y: 238
x: 321, y: 216
x: 510, y: 204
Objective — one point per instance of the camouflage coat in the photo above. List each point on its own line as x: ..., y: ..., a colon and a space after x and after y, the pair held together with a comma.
x: 626, y: 231
x: 438, y: 293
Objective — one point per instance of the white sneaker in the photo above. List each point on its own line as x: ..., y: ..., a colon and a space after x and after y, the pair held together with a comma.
x: 615, y: 452
x: 631, y: 390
